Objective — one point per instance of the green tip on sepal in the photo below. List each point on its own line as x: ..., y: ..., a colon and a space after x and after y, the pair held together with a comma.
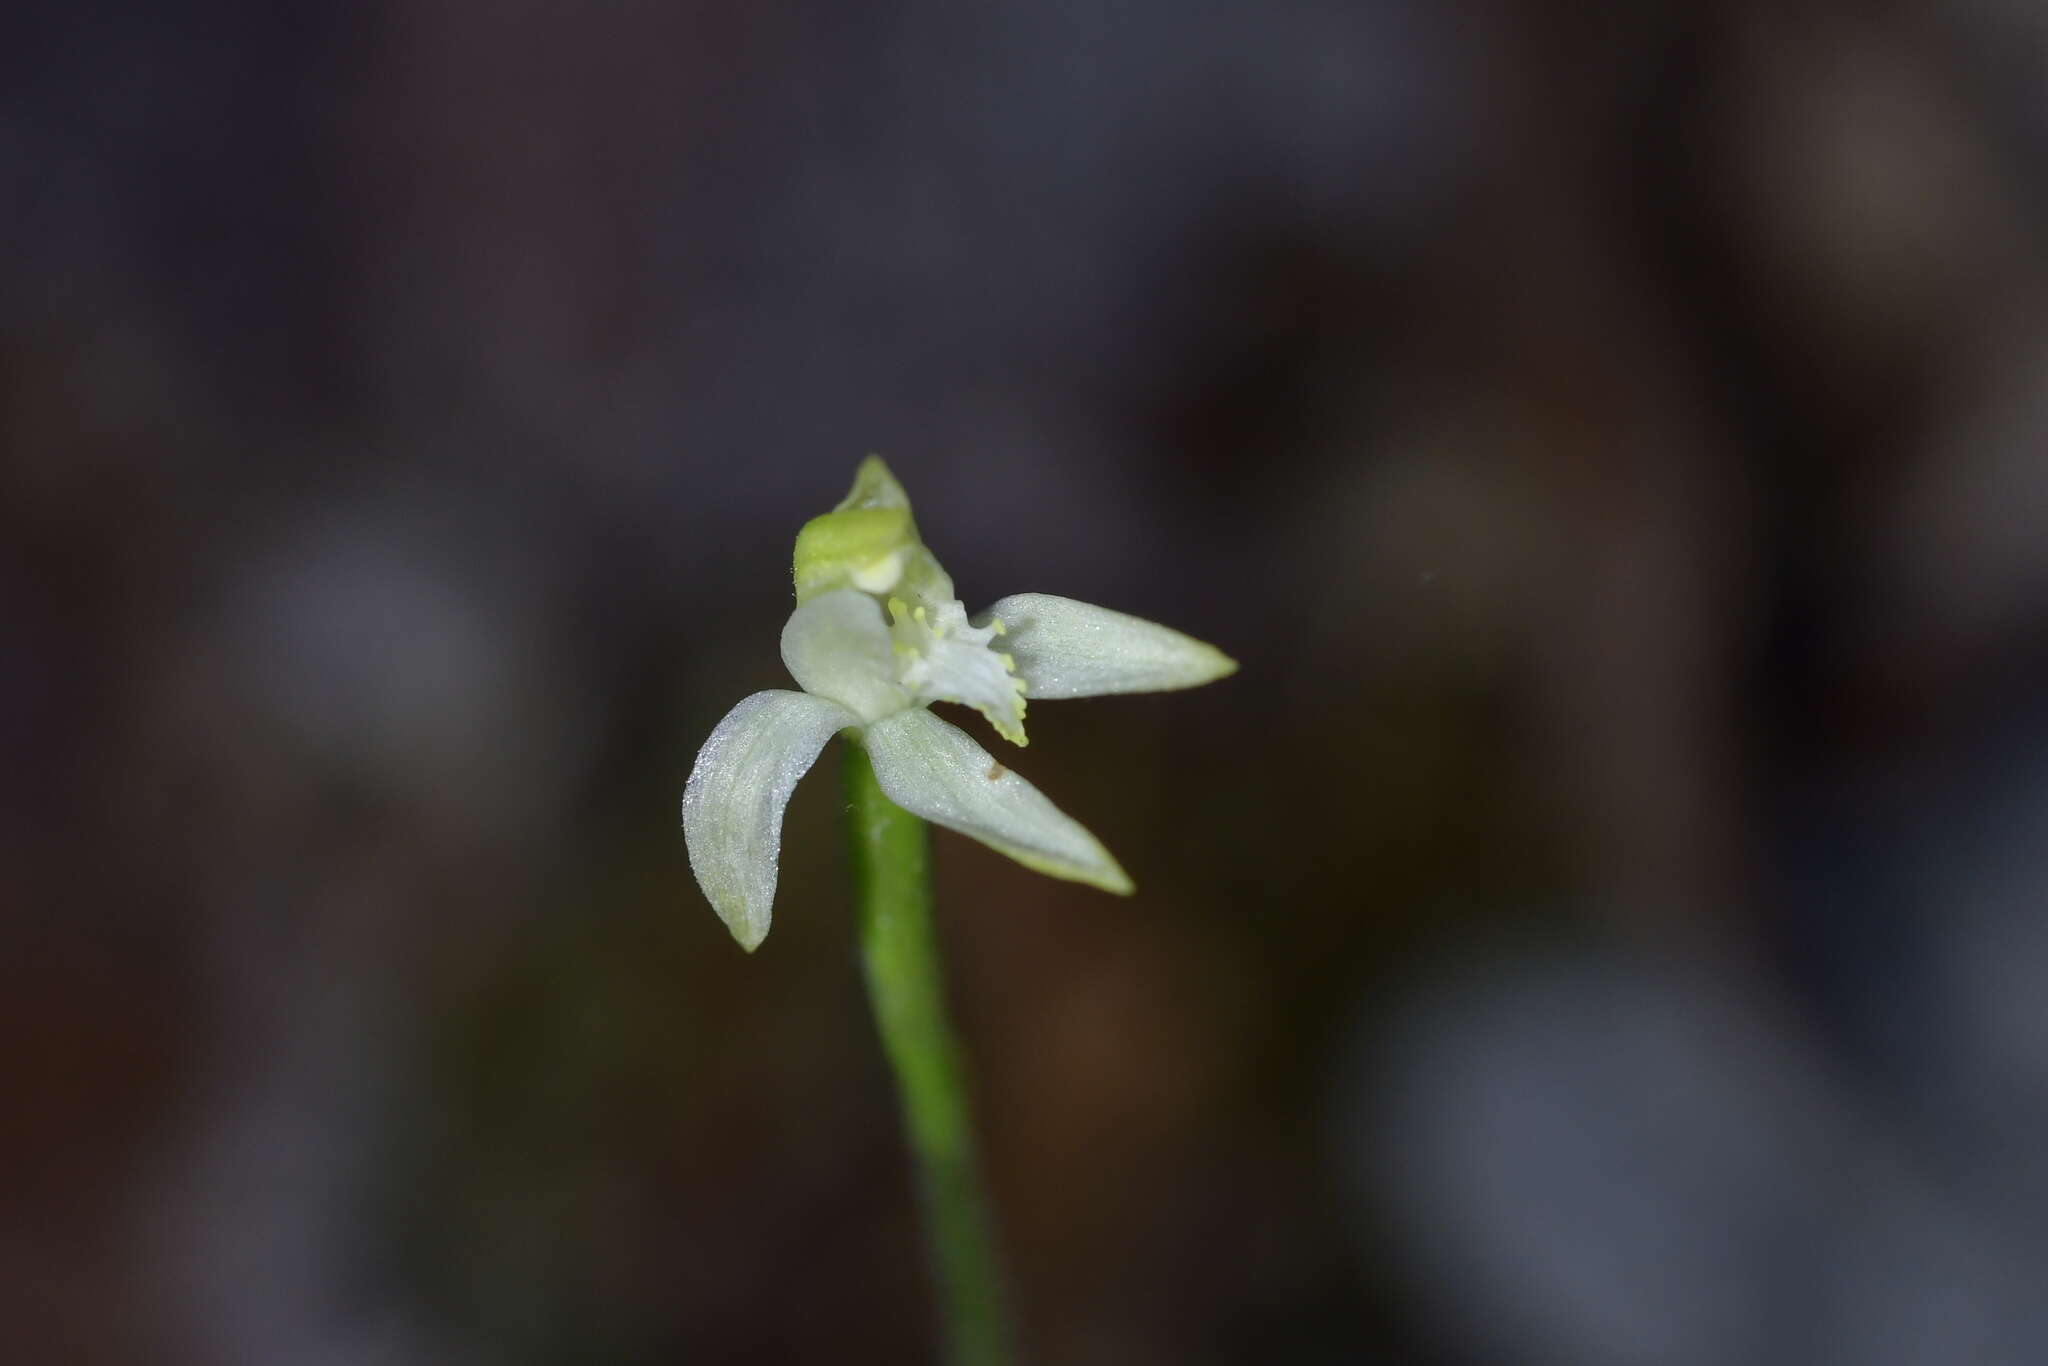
x: 874, y: 487
x: 867, y: 542
x: 864, y: 548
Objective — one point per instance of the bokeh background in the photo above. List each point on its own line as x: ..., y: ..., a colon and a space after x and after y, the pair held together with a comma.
x: 1602, y: 924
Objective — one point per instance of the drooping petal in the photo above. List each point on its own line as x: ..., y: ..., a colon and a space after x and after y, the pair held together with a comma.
x: 1065, y: 648
x: 937, y: 771
x: 733, y: 803
x: 838, y: 645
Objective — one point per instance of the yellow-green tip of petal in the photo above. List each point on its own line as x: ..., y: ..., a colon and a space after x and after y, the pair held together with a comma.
x: 875, y: 487
x: 1109, y: 878
x: 867, y: 542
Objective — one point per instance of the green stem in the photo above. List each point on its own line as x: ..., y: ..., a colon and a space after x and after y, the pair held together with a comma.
x: 892, y: 880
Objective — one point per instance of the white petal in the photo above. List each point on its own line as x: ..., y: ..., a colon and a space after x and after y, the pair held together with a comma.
x: 732, y: 805
x: 1065, y: 648
x: 838, y: 645
x: 937, y: 771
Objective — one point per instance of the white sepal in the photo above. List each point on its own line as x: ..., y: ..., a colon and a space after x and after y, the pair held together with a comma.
x: 838, y: 645
x: 1065, y: 648
x: 733, y: 803
x: 937, y: 771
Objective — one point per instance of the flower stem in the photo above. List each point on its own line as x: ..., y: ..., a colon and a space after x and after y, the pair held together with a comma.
x: 892, y: 881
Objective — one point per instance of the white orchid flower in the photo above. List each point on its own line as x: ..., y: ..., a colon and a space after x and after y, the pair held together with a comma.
x: 876, y: 637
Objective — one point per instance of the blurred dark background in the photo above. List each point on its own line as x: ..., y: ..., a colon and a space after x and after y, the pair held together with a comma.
x: 1602, y: 923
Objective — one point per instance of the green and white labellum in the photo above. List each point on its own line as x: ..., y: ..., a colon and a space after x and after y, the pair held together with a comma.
x: 945, y: 659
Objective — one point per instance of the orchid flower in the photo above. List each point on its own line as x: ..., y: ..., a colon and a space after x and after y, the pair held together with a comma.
x: 877, y: 636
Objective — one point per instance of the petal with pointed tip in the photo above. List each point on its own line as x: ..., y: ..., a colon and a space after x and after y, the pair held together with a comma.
x: 937, y: 771
x: 1065, y: 648
x: 733, y: 803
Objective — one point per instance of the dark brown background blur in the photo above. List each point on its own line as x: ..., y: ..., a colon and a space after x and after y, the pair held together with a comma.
x: 1602, y: 923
